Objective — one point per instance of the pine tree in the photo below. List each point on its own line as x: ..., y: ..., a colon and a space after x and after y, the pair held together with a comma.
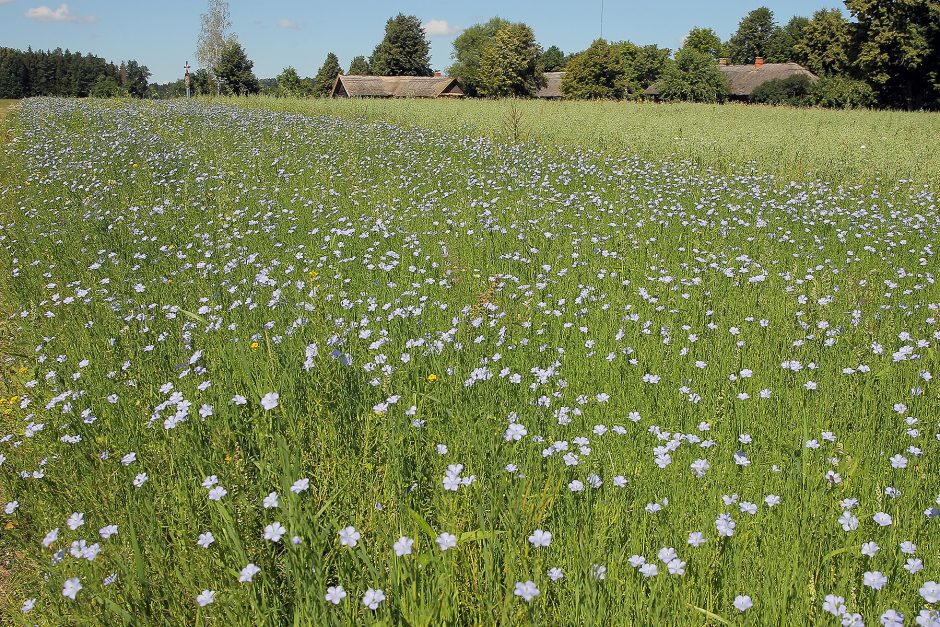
x: 359, y: 67
x: 323, y: 83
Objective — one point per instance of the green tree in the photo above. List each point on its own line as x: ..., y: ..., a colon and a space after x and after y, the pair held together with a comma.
x: 289, y: 83
x: 645, y: 64
x: 553, y: 59
x: 405, y: 50
x: 510, y: 65
x: 135, y: 77
x: 104, y: 87
x: 600, y: 72
x: 468, y: 50
x: 826, y: 44
x: 898, y: 46
x: 359, y: 67
x: 783, y: 43
x: 752, y: 39
x: 323, y: 83
x: 234, y: 70
x: 704, y: 40
x: 695, y: 77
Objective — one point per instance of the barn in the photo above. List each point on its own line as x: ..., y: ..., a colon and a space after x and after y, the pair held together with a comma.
x: 396, y: 87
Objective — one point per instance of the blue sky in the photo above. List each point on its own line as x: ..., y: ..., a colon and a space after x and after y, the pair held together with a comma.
x: 276, y: 33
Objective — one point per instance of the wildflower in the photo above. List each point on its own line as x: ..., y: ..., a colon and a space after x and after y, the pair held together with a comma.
x: 300, y: 485
x: 874, y: 579
x: 649, y: 570
x: 71, y: 588
x: 599, y: 572
x: 216, y: 493
x: 28, y: 605
x: 743, y: 602
x: 206, y: 597
x: 834, y: 605
x: 51, y: 537
x: 274, y: 532
x: 526, y: 590
x: 76, y: 520
x: 696, y: 539
x: 555, y: 574
x: 892, y: 618
x: 869, y: 549
x: 930, y: 591
x: 335, y: 594
x: 140, y: 479
x: 205, y: 539
x: 269, y: 400
x: 270, y: 501
x: 348, y: 536
x: 540, y: 538
x: 373, y: 598
x: 432, y: 378
x: 403, y: 546
x: 446, y: 541
x: 882, y: 519
x: 247, y: 573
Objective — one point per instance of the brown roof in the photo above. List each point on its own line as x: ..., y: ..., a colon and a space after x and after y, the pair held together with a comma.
x: 552, y: 87
x: 744, y: 79
x: 395, y: 87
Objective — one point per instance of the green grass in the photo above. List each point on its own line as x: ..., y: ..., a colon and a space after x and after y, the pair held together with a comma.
x: 205, y: 249
x: 852, y: 147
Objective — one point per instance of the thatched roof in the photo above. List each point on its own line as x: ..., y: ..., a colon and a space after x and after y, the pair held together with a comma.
x: 395, y: 87
x: 744, y: 79
x: 552, y: 87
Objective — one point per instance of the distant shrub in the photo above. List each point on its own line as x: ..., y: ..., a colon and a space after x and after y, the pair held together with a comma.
x: 840, y: 92
x: 793, y: 91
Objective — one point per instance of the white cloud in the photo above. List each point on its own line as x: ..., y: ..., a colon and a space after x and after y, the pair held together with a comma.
x: 438, y: 27
x: 7, y: 1
x: 289, y: 24
x: 62, y: 14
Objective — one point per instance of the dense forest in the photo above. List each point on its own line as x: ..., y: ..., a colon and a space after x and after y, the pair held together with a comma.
x: 63, y: 73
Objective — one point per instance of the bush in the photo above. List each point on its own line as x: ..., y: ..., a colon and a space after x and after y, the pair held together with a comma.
x: 693, y: 77
x: 793, y: 91
x: 840, y: 92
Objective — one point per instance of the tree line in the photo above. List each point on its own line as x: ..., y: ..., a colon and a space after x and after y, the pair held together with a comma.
x: 63, y: 73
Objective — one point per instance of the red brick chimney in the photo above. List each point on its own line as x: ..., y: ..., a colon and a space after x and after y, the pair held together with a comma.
x: 437, y: 73
x: 758, y: 62
x: 723, y: 61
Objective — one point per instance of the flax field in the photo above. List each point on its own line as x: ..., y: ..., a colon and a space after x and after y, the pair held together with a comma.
x: 266, y: 367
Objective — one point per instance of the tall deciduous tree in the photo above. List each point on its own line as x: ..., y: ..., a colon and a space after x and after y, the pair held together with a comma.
x: 234, y: 70
x: 704, y: 40
x: 323, y: 83
x: 826, y: 43
x: 645, y: 64
x: 752, y: 39
x: 213, y: 36
x: 289, y: 83
x: 359, y: 66
x: 135, y: 77
x: 510, y: 65
x: 782, y: 45
x: 405, y: 50
x: 695, y: 77
x: 468, y: 50
x: 898, y: 51
x: 600, y: 72
x: 553, y: 59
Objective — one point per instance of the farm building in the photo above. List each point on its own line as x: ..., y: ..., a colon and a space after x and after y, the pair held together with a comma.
x: 744, y: 79
x: 552, y: 87
x: 396, y: 87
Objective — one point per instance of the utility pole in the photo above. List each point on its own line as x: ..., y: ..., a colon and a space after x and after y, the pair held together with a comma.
x: 602, y: 19
x: 186, y: 78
